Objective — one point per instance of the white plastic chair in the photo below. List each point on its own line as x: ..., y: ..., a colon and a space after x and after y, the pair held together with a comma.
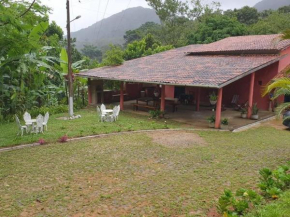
x: 118, y: 112
x: 103, y: 107
x: 114, y: 115
x: 38, y: 128
x: 45, y: 120
x: 100, y: 114
x: 27, y: 117
x: 20, y: 127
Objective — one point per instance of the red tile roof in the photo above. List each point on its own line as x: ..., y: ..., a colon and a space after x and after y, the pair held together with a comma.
x: 175, y: 68
x: 252, y: 44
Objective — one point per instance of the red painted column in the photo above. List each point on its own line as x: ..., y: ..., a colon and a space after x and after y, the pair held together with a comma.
x: 197, y: 99
x: 219, y: 109
x: 251, y: 94
x: 162, y: 104
x: 89, y: 92
x: 122, y: 96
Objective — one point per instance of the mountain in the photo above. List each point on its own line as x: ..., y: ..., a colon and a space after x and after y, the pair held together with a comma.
x: 271, y: 4
x: 112, y: 29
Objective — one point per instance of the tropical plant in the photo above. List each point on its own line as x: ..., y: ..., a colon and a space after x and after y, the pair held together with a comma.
x: 255, y: 109
x: 211, y: 119
x: 156, y: 113
x: 238, y: 204
x: 281, y: 86
x: 225, y: 121
x: 213, y: 97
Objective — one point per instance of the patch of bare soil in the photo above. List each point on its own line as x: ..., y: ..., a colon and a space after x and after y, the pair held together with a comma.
x: 276, y: 124
x: 177, y: 139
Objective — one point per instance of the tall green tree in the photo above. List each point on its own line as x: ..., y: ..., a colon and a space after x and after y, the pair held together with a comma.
x: 92, y: 52
x: 216, y: 27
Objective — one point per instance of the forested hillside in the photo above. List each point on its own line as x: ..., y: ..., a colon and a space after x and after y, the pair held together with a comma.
x: 111, y: 30
x: 271, y: 4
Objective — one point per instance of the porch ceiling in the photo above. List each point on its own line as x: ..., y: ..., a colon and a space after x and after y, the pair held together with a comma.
x: 174, y: 67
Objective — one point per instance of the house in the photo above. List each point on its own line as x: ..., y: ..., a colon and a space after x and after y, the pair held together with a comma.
x: 238, y: 66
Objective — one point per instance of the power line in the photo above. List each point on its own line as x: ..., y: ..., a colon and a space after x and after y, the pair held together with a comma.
x: 124, y: 13
x: 102, y: 20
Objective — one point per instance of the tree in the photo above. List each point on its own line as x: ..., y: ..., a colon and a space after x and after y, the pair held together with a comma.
x: 247, y: 15
x: 176, y: 17
x: 216, y: 27
x: 113, y: 56
x: 54, y: 29
x: 273, y: 24
x: 147, y: 46
x: 92, y: 52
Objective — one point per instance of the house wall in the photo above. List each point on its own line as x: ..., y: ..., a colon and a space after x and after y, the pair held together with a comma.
x: 241, y: 87
x: 285, y: 61
x: 169, y: 91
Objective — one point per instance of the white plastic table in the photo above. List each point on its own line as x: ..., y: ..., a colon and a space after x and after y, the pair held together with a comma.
x: 30, y: 123
x: 108, y: 111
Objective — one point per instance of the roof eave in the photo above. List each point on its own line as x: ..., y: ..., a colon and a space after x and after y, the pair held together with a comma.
x: 251, y: 71
x: 148, y: 82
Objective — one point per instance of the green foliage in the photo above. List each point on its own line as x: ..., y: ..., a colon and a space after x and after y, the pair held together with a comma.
x: 139, y: 33
x: 54, y: 29
x: 225, y: 121
x: 147, y: 46
x: 92, y: 52
x: 156, y: 114
x: 273, y: 183
x: 255, y: 109
x: 213, y: 97
x: 273, y: 24
x: 113, y: 56
x: 216, y: 27
x: 238, y: 204
x: 245, y: 15
x: 51, y: 109
x: 211, y: 119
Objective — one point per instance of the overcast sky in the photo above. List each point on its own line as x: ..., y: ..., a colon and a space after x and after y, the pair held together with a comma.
x: 92, y: 11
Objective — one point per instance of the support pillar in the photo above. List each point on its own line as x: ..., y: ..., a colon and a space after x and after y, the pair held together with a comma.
x: 219, y: 109
x: 89, y: 92
x: 162, y: 104
x: 122, y: 96
x: 198, y: 99
x: 251, y: 95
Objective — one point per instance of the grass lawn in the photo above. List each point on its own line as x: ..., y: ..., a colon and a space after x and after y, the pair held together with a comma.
x: 145, y: 174
x: 280, y: 208
x: 87, y: 125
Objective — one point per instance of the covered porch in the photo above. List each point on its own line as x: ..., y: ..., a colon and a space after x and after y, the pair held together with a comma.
x: 193, y: 112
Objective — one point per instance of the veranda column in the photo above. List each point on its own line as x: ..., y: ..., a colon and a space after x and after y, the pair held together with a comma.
x: 89, y: 92
x: 162, y: 104
x: 251, y: 94
x: 219, y: 109
x: 197, y: 98
x: 122, y: 96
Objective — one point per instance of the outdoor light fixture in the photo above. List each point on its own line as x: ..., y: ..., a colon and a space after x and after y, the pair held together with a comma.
x: 78, y: 17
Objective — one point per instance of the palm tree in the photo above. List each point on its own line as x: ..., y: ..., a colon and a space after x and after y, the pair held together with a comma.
x: 280, y: 86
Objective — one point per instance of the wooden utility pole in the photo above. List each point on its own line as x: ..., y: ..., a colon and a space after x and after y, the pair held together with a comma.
x: 70, y: 74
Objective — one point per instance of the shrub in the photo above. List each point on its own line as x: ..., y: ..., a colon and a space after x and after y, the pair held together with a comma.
x: 52, y: 110
x: 273, y: 183
x: 64, y: 138
x: 238, y: 204
x: 225, y: 121
x: 255, y: 109
x: 156, y: 113
x: 213, y: 97
x: 211, y: 119
x: 41, y: 141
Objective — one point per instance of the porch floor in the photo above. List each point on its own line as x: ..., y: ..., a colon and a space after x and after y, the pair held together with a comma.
x: 186, y: 114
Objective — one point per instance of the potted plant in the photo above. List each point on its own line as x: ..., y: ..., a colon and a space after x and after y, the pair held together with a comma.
x: 213, y: 98
x: 211, y: 121
x: 243, y: 112
x: 225, y: 124
x: 255, y: 111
